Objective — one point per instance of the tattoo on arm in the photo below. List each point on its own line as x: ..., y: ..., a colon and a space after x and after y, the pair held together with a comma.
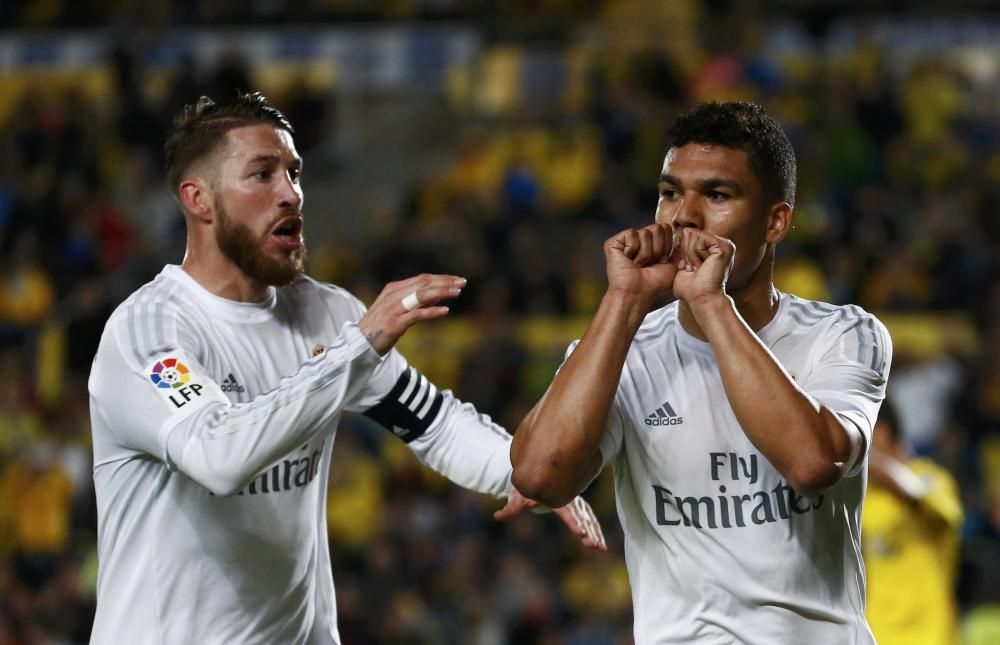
x: 373, y: 336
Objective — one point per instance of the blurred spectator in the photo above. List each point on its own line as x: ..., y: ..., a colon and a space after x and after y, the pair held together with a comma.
x: 910, y: 536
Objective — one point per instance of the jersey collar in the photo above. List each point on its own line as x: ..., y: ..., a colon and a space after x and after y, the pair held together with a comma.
x: 230, y: 310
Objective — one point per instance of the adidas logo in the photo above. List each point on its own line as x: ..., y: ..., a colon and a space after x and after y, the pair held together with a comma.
x: 664, y: 416
x: 229, y: 384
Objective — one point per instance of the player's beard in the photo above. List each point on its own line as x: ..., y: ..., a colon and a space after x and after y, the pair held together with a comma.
x: 238, y: 243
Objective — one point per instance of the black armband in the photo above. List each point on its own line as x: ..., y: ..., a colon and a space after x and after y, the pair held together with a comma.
x: 409, y: 408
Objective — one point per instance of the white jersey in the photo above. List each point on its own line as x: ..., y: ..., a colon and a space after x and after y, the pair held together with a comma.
x: 213, y: 424
x: 719, y: 548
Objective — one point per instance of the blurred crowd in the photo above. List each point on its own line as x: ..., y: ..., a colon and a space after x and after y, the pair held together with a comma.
x: 556, y: 147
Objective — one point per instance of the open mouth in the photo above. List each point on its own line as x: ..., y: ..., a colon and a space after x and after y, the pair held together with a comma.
x: 288, y: 231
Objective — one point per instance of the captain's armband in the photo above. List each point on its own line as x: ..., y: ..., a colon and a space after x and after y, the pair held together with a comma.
x: 410, y: 408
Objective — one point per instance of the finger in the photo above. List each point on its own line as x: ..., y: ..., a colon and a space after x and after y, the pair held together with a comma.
x: 595, y: 538
x: 661, y: 242
x: 645, y: 252
x: 704, y: 246
x: 574, y: 511
x: 630, y: 242
x: 572, y: 519
x: 509, y: 511
x: 595, y: 527
x: 421, y: 282
x: 581, y: 511
x: 424, y: 297
x: 688, y: 243
x: 401, y: 324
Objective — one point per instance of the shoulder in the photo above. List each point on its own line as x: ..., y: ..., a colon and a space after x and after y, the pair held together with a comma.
x: 153, y: 318
x: 851, y: 331
x: 308, y: 288
x: 815, y: 313
x: 307, y: 294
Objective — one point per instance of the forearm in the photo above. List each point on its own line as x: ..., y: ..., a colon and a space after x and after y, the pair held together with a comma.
x: 467, y: 448
x: 894, y: 476
x: 224, y: 446
x: 555, y: 449
x: 804, y: 441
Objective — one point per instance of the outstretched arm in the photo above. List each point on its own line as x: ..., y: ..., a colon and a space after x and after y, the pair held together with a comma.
x: 933, y: 496
x: 556, y: 448
x: 454, y: 439
x: 178, y: 414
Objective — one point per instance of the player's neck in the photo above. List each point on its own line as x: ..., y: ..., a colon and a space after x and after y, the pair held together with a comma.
x: 757, y: 304
x: 219, y: 276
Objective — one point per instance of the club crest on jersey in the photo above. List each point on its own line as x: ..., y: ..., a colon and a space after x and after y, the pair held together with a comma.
x: 664, y: 416
x: 175, y: 382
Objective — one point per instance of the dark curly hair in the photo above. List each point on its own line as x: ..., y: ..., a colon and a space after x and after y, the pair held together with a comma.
x: 199, y: 127
x: 743, y: 126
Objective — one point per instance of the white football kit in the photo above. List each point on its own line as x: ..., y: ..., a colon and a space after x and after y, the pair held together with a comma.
x: 719, y: 548
x: 213, y: 425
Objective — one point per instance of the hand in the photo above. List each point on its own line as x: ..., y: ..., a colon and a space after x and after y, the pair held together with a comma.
x: 703, y: 265
x: 577, y: 515
x: 639, y: 263
x: 388, y: 318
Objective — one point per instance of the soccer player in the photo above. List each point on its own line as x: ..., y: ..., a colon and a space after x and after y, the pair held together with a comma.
x: 215, y: 395
x: 737, y: 418
x: 910, y: 538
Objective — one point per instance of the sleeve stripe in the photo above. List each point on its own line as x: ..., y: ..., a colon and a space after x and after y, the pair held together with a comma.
x: 410, y: 384
x: 133, y: 332
x: 431, y: 396
x: 150, y: 328
x: 806, y: 312
x: 875, y: 345
x: 421, y: 395
x: 794, y: 315
x: 656, y: 328
x: 158, y: 318
x: 871, y: 340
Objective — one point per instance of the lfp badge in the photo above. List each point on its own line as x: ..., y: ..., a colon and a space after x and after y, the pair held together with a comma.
x: 169, y: 373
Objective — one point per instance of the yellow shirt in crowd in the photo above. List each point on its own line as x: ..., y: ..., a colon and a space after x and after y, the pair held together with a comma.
x: 911, y: 557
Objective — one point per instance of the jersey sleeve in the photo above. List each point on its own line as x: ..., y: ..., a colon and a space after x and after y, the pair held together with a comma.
x: 151, y: 395
x: 850, y: 376
x: 445, y: 434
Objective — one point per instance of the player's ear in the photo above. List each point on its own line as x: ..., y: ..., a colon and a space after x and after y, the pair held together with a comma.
x: 195, y: 197
x: 779, y: 222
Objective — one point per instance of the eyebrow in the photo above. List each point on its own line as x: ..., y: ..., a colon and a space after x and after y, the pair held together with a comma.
x: 273, y: 158
x: 706, y: 184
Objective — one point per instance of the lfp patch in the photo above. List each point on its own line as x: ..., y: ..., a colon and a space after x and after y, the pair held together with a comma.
x: 180, y: 386
x: 170, y: 373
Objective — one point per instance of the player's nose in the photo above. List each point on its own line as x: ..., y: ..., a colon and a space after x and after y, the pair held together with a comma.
x: 686, y: 215
x: 290, y: 194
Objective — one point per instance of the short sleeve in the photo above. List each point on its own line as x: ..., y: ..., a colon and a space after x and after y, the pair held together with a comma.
x: 849, y: 377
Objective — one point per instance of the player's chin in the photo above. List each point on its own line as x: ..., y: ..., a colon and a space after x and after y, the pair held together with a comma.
x: 282, y: 268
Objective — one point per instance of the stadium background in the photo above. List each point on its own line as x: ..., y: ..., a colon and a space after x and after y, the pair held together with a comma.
x: 502, y: 140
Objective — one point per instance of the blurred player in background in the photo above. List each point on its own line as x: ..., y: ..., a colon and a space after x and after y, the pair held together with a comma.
x: 737, y: 418
x: 216, y: 392
x: 910, y: 535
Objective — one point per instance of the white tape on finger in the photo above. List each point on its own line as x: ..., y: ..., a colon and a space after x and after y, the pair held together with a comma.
x: 411, y: 301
